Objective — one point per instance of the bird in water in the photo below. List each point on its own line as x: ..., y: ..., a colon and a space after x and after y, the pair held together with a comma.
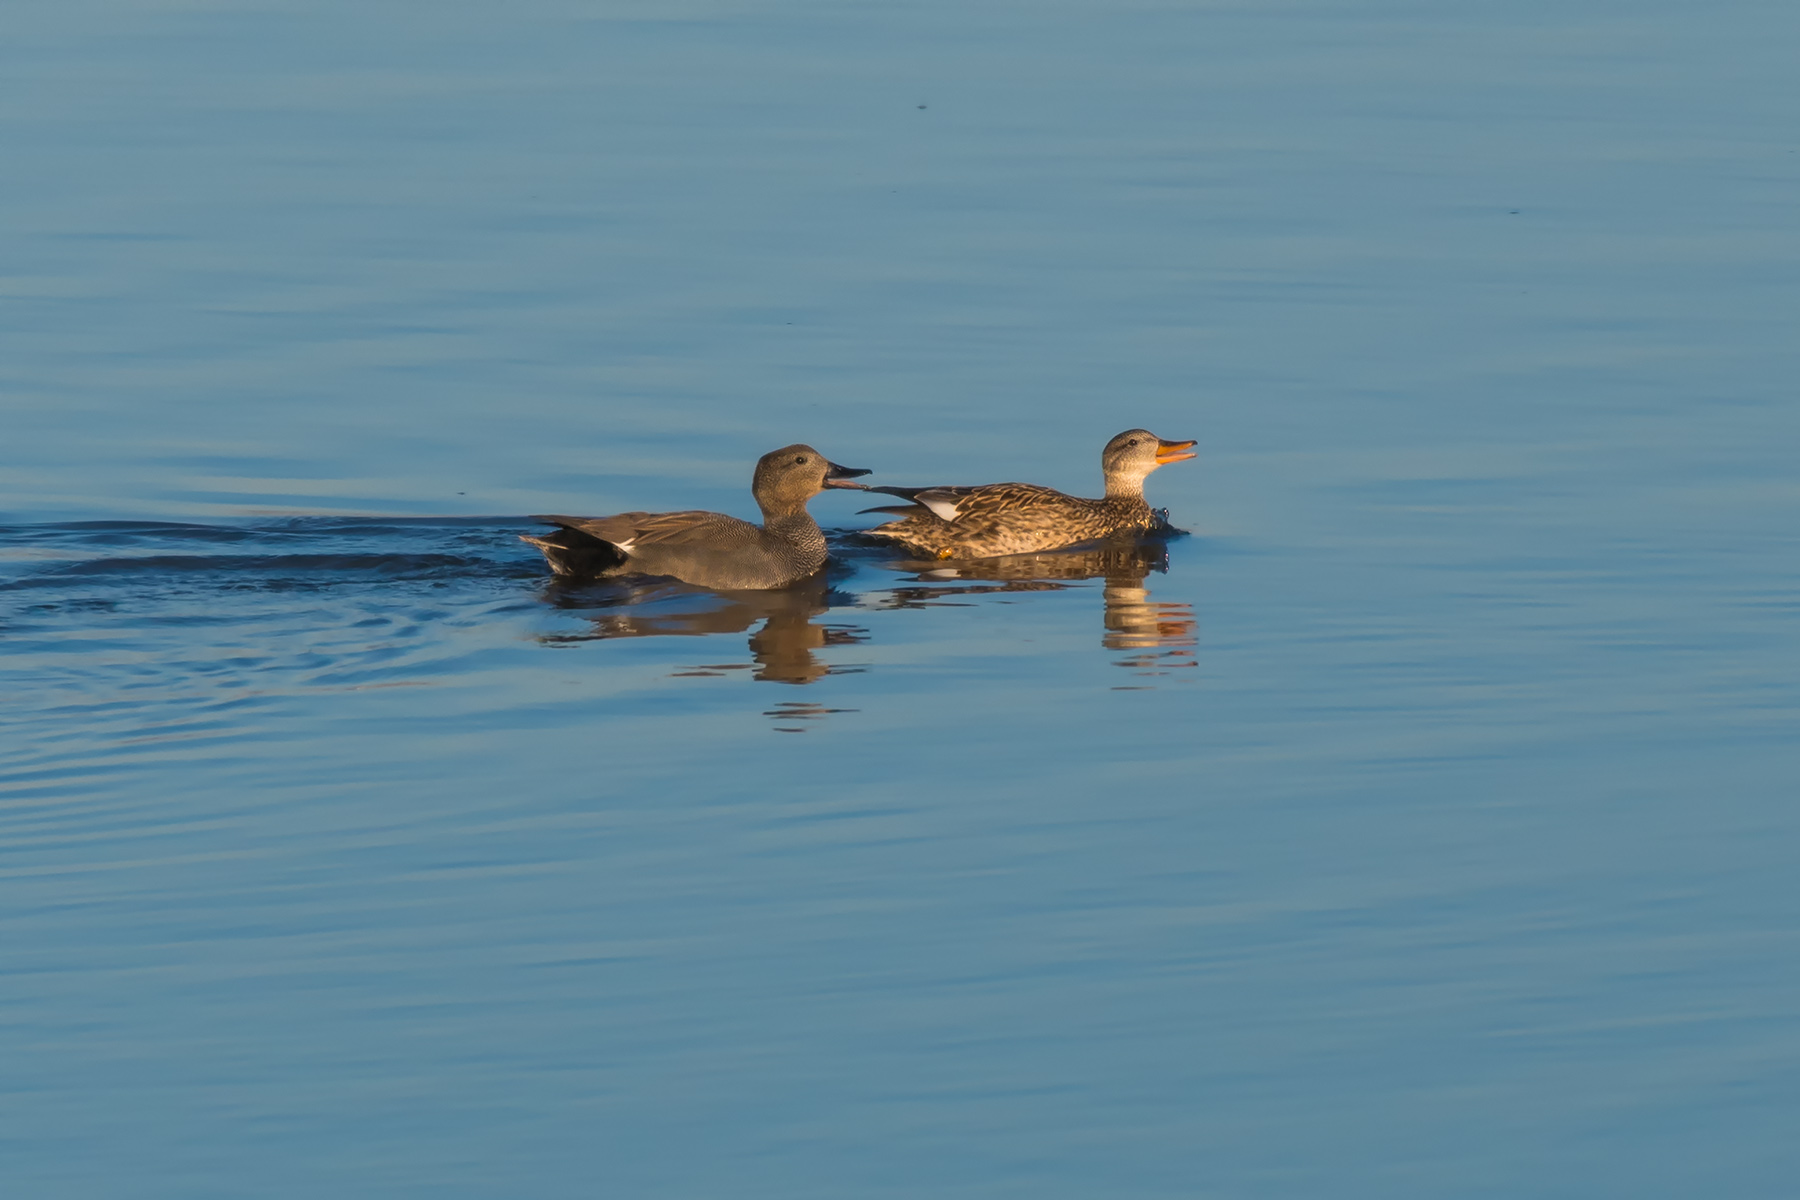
x: 1023, y: 518
x: 710, y: 549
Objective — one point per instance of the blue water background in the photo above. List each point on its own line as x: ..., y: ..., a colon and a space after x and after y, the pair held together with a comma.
x: 1426, y: 828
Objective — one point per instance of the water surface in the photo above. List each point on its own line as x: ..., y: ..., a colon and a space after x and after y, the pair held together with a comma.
x: 1420, y: 825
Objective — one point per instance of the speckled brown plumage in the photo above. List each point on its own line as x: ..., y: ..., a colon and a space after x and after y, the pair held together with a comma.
x: 1022, y: 518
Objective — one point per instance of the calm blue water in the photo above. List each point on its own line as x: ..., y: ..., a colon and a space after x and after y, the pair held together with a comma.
x: 1422, y: 825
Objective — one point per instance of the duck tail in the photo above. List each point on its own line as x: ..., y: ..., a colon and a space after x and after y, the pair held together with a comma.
x: 575, y: 554
x: 905, y: 493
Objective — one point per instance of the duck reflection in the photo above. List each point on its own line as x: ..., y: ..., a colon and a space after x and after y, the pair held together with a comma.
x: 797, y: 713
x: 781, y: 648
x: 1159, y: 636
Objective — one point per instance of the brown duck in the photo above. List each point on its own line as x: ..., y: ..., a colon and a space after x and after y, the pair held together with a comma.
x: 707, y: 548
x: 1022, y: 518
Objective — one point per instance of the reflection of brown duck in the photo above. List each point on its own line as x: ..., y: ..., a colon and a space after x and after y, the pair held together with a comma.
x: 782, y: 648
x: 1162, y: 634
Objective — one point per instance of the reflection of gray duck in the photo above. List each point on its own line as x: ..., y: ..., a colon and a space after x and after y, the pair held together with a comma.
x: 1019, y: 518
x: 708, y: 548
x: 782, y: 647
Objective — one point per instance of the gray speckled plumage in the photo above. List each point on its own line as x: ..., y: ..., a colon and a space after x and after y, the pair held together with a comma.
x: 707, y: 548
x: 1023, y: 518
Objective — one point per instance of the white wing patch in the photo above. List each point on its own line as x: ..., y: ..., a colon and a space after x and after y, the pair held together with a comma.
x: 626, y: 545
x: 942, y: 505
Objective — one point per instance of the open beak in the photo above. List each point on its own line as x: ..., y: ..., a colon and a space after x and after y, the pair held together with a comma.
x: 839, y: 477
x: 1168, y: 452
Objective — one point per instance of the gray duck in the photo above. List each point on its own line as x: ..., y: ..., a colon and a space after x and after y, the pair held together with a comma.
x: 709, y: 549
x: 1024, y: 518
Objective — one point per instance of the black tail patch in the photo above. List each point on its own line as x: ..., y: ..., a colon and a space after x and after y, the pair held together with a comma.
x: 577, y: 554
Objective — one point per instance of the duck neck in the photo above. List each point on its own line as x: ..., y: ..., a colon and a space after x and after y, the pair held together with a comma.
x: 786, y: 517
x: 1125, y: 487
x: 792, y: 524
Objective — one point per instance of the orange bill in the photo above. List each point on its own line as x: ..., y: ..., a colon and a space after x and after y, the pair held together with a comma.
x: 1168, y: 452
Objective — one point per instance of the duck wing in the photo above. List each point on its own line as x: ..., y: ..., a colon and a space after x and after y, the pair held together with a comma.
x: 634, y: 530
x: 980, y: 501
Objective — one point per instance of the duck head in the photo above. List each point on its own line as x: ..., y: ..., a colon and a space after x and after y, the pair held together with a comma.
x: 1132, y: 455
x: 787, y: 478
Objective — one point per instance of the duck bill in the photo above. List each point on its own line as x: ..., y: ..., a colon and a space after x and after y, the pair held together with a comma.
x: 1168, y: 452
x: 840, y: 477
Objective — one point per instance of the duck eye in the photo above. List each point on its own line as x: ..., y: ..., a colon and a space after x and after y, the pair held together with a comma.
x: 1132, y: 442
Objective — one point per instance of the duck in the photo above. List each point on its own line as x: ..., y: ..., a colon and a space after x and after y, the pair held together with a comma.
x: 995, y: 519
x: 708, y: 549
